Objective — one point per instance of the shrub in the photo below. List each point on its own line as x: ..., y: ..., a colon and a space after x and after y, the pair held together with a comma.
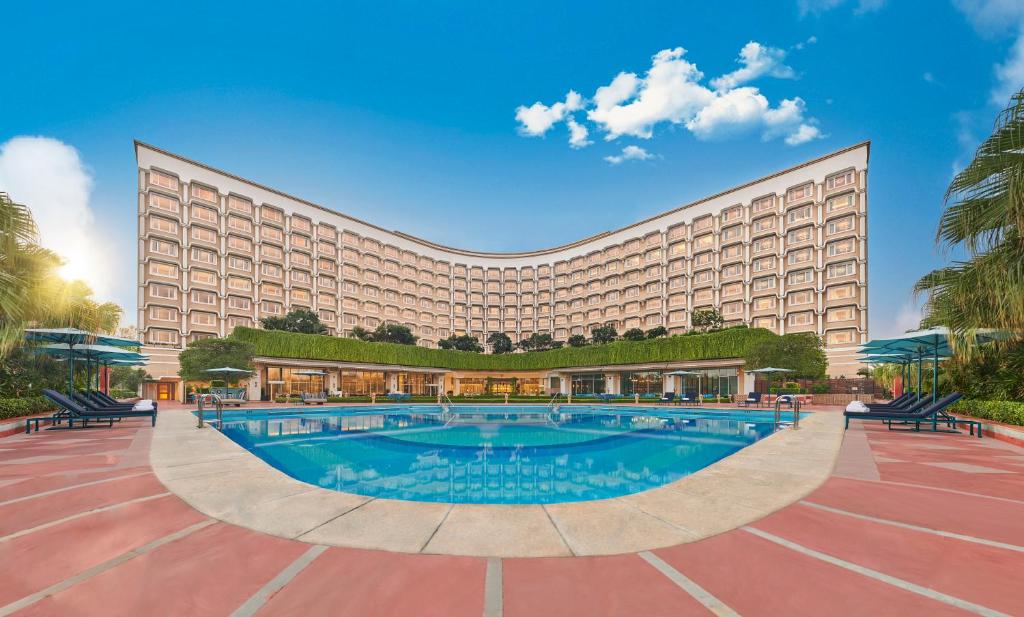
x: 119, y: 393
x: 25, y: 406
x: 819, y: 388
x: 1008, y: 412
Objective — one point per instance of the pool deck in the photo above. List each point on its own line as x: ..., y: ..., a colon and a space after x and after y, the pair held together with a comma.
x: 904, y: 524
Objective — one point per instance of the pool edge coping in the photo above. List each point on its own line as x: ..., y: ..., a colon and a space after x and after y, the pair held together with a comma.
x: 224, y: 481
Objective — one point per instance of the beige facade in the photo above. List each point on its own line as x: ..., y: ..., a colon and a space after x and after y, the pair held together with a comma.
x: 787, y: 252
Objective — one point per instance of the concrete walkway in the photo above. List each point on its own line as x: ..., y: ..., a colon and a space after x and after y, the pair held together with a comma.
x: 907, y: 524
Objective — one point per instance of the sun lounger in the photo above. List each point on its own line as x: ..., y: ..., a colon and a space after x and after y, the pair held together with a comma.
x: 72, y: 411
x: 92, y: 405
x: 754, y: 398
x: 308, y: 398
x: 668, y: 397
x: 922, y: 411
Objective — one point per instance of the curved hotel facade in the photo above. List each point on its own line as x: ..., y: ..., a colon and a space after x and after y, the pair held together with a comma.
x: 787, y: 252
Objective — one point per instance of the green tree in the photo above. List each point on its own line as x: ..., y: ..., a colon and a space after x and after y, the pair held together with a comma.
x: 303, y: 321
x: 463, y: 342
x: 577, y: 340
x: 983, y: 219
x: 707, y: 320
x: 127, y: 377
x: 499, y: 342
x: 394, y: 333
x: 24, y: 373
x: 800, y: 352
x: 634, y: 334
x: 362, y: 333
x: 657, y: 332
x: 603, y: 334
x: 213, y: 353
x: 537, y: 342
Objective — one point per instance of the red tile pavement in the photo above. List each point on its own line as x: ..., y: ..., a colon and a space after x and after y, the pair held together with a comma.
x: 343, y: 582
x: 584, y: 586
x: 215, y: 570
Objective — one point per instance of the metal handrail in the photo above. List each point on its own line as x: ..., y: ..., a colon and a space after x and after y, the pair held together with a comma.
x: 219, y: 407
x: 796, y: 412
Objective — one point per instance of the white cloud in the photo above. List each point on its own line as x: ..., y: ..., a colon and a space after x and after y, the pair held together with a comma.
x: 629, y: 153
x: 745, y: 110
x: 536, y: 119
x: 577, y: 134
x: 811, y: 40
x: 803, y: 134
x: 997, y: 18
x: 758, y: 60
x: 50, y: 178
x: 1010, y: 74
x: 928, y: 77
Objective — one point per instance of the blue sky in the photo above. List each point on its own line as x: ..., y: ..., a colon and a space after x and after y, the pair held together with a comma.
x: 406, y: 114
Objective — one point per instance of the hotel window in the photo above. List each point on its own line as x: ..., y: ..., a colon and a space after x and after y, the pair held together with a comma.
x: 763, y: 204
x: 301, y: 277
x: 801, y: 192
x: 734, y: 251
x: 734, y: 213
x: 841, y: 292
x: 839, y: 202
x: 847, y: 268
x: 200, y: 318
x: 653, y: 287
x: 840, y: 337
x: 271, y: 290
x: 204, y: 297
x: 765, y: 303
x: 732, y: 289
x: 702, y: 223
x: 763, y: 264
x: 164, y: 292
x: 239, y: 303
x: 272, y: 234
x: 203, y: 277
x: 325, y: 315
x: 839, y: 180
x: 632, y: 292
x: 204, y: 193
x: 162, y: 247
x: 239, y: 263
x: 270, y: 308
x: 801, y: 276
x: 764, y: 224
x: 840, y: 225
x: 611, y: 296
x: 677, y: 316
x: 303, y: 242
x: 840, y: 314
x: 239, y: 322
x: 325, y: 265
x: 163, y: 180
x: 841, y: 247
x: 349, y: 238
x: 161, y: 202
x: 703, y: 295
x: 699, y: 244
x: 732, y: 270
x: 702, y: 259
x: 801, y: 256
x: 273, y: 270
x: 800, y: 298
x: 350, y: 303
x: 732, y: 308
x: 239, y: 284
x: 767, y: 323
x: 654, y: 320
x: 207, y: 215
x: 204, y: 256
x: 240, y: 205
x: 348, y: 320
x: 763, y: 283
x: 204, y: 235
x: 798, y: 215
x: 162, y: 337
x: 732, y: 233
x: 764, y: 244
x: 300, y: 295
x: 324, y: 248
x: 654, y: 255
x: 679, y: 248
x: 805, y: 318
x: 305, y: 225
x: 270, y: 214
x: 302, y: 259
x: 797, y: 236
x: 157, y: 223
x: 371, y: 307
x: 239, y: 224
x: 165, y: 270
x: 704, y: 276
x: 160, y: 313
x: 678, y: 265
x: 632, y: 307
x: 240, y: 244
x: 325, y: 282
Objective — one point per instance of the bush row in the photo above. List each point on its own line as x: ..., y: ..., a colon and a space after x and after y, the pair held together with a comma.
x: 25, y: 406
x: 730, y: 343
x: 1008, y: 412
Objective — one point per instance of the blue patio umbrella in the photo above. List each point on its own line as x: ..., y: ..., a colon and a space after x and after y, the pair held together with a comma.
x: 769, y: 371
x: 87, y: 352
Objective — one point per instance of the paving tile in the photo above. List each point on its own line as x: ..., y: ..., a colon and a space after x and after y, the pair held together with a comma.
x: 25, y: 514
x: 210, y: 572
x: 985, y: 575
x: 351, y: 582
x: 591, y: 587
x: 756, y: 577
x: 393, y: 525
x: 612, y: 526
x: 36, y: 485
x: 494, y: 530
x: 37, y: 560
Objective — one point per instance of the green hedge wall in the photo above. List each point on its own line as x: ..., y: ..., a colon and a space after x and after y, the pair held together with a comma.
x: 27, y: 406
x: 731, y: 343
x: 1009, y: 412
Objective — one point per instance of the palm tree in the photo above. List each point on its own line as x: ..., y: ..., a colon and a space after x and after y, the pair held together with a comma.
x: 984, y: 217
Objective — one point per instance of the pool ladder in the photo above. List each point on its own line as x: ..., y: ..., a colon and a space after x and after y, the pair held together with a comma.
x: 796, y: 413
x: 219, y: 405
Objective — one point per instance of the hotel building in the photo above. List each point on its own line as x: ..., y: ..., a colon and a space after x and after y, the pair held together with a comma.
x: 787, y: 252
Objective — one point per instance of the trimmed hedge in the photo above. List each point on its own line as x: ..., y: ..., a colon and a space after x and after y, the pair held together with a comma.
x: 1008, y: 412
x: 731, y: 343
x: 27, y: 406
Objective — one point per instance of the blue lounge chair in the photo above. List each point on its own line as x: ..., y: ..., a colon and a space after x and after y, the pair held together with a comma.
x: 72, y: 411
x: 399, y: 397
x: 753, y: 398
x: 922, y: 411
x: 668, y: 397
x: 92, y: 405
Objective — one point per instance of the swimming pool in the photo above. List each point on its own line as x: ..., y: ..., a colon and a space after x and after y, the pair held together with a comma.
x: 493, y: 454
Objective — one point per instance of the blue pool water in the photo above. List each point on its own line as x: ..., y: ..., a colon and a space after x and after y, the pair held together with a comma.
x: 493, y: 454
